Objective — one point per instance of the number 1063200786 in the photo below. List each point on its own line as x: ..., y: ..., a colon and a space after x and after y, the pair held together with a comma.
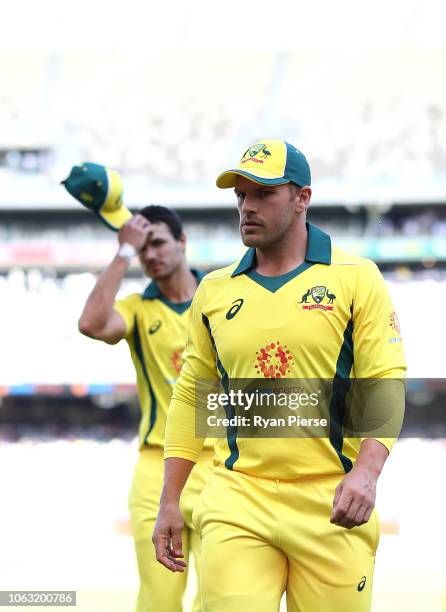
x: 37, y: 598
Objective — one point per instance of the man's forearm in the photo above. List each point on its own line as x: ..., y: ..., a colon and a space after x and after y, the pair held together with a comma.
x: 176, y: 473
x: 99, y: 304
x: 169, y: 523
x: 372, y: 456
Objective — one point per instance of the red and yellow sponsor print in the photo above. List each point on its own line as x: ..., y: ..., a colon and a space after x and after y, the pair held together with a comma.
x: 176, y: 360
x: 394, y: 323
x: 273, y: 360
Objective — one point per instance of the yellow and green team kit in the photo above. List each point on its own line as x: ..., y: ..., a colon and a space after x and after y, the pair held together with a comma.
x: 329, y: 318
x: 156, y: 332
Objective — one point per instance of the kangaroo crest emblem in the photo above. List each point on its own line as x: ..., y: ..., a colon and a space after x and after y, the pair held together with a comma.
x: 318, y: 294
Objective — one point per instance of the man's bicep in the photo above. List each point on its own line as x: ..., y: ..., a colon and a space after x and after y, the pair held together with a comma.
x: 115, y: 329
x: 112, y: 332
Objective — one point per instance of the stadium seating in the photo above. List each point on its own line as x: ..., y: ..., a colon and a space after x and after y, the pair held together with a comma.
x: 199, y: 119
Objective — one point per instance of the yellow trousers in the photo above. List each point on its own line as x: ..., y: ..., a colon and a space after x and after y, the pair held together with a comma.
x: 160, y: 590
x: 261, y: 537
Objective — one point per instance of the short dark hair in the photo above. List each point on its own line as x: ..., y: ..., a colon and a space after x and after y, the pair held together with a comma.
x: 155, y: 214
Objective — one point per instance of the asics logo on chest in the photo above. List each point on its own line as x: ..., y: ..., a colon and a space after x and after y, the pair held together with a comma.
x: 235, y: 307
x: 155, y: 327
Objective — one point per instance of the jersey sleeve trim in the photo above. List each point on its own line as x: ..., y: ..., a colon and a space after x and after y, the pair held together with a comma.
x: 140, y: 355
x: 341, y: 386
x: 231, y: 432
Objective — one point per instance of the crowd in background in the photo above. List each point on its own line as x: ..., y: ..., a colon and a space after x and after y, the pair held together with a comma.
x: 350, y: 128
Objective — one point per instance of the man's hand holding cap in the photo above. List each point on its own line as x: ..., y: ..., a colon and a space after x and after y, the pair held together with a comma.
x: 133, y: 236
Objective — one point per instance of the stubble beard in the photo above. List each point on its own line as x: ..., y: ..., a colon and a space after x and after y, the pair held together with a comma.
x: 267, y: 240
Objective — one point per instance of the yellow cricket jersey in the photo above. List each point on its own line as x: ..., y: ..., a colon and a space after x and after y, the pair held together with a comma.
x: 156, y: 332
x: 329, y: 318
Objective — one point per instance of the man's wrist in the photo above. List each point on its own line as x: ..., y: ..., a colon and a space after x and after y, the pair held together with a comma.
x: 127, y: 251
x: 169, y: 497
x: 372, y: 456
x: 372, y: 469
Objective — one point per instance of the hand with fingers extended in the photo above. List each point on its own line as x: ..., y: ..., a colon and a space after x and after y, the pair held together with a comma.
x: 354, y: 498
x: 167, y: 537
x: 135, y: 232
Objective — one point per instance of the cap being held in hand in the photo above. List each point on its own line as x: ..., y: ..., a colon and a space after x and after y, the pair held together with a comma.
x: 100, y: 190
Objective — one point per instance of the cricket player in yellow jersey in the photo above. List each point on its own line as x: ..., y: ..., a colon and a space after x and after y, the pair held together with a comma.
x: 154, y: 325
x: 294, y: 514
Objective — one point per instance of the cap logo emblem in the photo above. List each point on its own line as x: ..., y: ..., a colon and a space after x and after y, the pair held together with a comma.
x: 252, y: 153
x: 86, y: 197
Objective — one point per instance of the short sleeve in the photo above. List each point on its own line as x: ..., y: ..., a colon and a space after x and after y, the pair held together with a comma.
x: 127, y: 308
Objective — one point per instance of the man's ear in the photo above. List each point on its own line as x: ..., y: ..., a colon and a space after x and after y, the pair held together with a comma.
x: 304, y: 197
x: 182, y: 241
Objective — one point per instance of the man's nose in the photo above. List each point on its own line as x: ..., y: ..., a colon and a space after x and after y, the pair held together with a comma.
x: 148, y: 253
x: 249, y: 204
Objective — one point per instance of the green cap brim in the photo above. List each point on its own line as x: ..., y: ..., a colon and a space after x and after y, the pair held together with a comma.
x: 226, y: 179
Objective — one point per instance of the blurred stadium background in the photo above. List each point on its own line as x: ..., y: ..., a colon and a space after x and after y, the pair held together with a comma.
x: 168, y: 114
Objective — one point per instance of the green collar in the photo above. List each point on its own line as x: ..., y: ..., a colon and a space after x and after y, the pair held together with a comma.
x: 153, y: 292
x: 318, y: 251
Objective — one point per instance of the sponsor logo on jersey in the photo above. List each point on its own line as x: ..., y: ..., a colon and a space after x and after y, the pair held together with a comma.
x: 155, y: 327
x: 312, y: 299
x: 394, y: 323
x: 235, y: 307
x: 177, y: 360
x: 273, y: 360
x: 257, y: 153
